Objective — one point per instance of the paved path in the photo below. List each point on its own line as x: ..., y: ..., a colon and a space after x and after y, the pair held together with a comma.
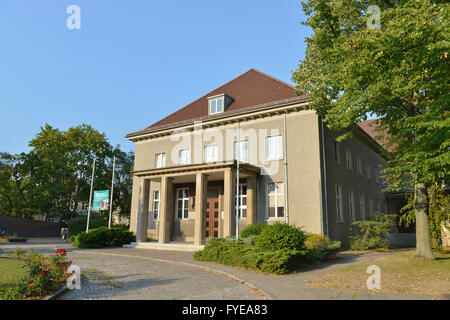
x: 271, y: 286
x: 125, y: 278
x: 125, y: 273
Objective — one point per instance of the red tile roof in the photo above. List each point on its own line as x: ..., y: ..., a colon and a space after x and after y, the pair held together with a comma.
x: 370, y: 127
x: 253, y: 88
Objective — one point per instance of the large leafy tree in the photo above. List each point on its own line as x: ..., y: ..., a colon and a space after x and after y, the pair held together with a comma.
x: 397, y: 70
x: 54, y: 177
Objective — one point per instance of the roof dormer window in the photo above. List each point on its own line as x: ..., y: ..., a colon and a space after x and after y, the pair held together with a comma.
x: 218, y: 103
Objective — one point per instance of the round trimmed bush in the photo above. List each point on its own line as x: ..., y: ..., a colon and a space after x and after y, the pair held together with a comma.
x: 281, y: 236
x: 253, y: 230
x: 316, y: 241
x: 103, y: 237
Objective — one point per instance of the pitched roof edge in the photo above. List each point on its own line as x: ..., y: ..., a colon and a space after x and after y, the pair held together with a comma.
x: 278, y: 103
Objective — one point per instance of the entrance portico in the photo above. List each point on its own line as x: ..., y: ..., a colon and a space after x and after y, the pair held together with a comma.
x: 184, y: 195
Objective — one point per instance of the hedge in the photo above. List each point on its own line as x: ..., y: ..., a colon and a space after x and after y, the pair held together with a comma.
x: 104, y: 237
x: 250, y: 257
x: 78, y: 225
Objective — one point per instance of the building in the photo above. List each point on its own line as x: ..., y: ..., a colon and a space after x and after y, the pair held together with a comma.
x: 188, y: 185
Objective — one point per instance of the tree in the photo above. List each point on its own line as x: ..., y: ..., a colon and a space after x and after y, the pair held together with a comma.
x: 54, y: 177
x: 397, y: 73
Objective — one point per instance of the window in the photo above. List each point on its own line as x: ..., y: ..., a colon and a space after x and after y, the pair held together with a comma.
x: 211, y: 154
x: 184, y: 157
x: 348, y: 158
x: 84, y: 206
x: 338, y: 191
x: 160, y: 160
x: 275, y: 200
x: 368, y: 169
x: 370, y: 205
x: 274, y: 148
x: 336, y: 151
x: 359, y: 164
x: 182, y: 203
x: 216, y: 105
x: 242, y: 202
x: 243, y: 151
x: 156, y: 203
x: 375, y: 175
x: 351, y: 205
x: 362, y: 206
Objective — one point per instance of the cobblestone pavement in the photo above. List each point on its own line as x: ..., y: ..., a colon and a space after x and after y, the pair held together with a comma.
x: 286, y: 287
x: 124, y: 278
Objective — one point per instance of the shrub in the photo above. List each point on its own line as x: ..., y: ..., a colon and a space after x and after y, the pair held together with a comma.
x: 316, y: 241
x: 249, y: 257
x: 372, y: 232
x: 43, y: 274
x: 253, y: 230
x: 104, y: 237
x: 281, y: 236
x: 323, y: 253
x: 78, y: 225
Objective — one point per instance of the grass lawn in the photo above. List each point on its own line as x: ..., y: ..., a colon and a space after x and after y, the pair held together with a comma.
x: 11, y: 272
x: 400, y: 273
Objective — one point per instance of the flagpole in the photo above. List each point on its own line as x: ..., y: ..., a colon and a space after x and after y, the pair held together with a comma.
x: 90, y: 196
x: 237, y: 180
x: 112, y: 189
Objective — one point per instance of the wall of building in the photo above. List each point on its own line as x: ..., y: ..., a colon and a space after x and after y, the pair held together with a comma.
x: 337, y: 173
x: 303, y: 159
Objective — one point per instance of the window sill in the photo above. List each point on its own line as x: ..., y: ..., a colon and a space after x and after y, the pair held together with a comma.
x: 340, y: 221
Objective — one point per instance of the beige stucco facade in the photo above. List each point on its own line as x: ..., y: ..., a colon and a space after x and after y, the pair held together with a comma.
x: 305, y: 196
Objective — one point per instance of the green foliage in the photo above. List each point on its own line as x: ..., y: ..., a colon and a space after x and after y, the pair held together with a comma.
x: 55, y: 175
x: 78, y: 225
x: 103, y: 237
x: 315, y: 241
x: 281, y: 236
x: 372, y: 232
x: 397, y: 73
x: 253, y: 230
x: 230, y: 252
x: 43, y: 274
x: 250, y: 257
x: 324, y: 252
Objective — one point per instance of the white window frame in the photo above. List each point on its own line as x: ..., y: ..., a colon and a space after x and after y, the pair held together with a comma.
x: 348, y: 158
x: 156, y: 200
x: 241, y: 207
x: 339, y: 204
x: 215, y: 156
x: 276, y: 195
x: 362, y: 206
x: 213, y: 105
x: 351, y: 204
x: 184, y: 157
x: 277, y: 147
x: 185, y: 207
x: 160, y: 163
x: 243, y: 150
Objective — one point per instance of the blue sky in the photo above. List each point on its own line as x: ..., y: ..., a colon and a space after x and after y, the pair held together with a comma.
x: 132, y: 62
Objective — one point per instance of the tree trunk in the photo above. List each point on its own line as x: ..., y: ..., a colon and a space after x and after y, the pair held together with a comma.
x: 423, y: 234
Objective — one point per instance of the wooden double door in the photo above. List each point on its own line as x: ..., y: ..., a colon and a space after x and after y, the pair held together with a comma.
x: 212, y: 218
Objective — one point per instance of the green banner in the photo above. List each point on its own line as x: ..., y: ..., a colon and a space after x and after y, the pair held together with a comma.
x: 101, y: 200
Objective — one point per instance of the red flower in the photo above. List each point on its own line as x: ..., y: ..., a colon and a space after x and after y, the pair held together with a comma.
x: 65, y: 267
x: 30, y: 282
